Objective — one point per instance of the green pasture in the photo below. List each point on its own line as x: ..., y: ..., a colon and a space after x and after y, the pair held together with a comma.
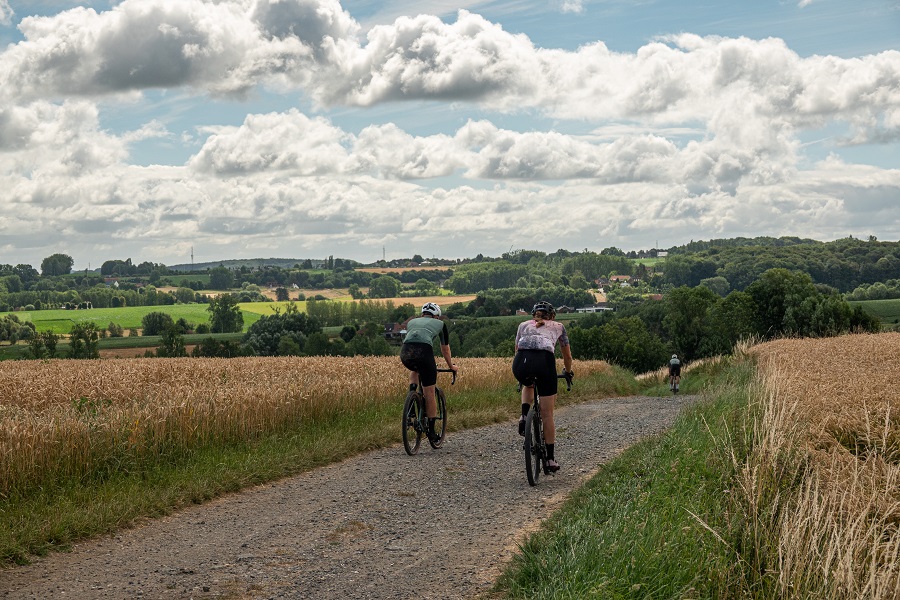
x: 61, y: 321
x: 886, y: 310
x: 648, y: 262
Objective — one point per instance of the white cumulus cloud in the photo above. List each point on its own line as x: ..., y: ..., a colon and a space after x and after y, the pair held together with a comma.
x: 6, y: 13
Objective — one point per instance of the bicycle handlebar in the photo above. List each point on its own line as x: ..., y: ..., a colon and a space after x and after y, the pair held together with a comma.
x: 452, y: 381
x: 567, y: 375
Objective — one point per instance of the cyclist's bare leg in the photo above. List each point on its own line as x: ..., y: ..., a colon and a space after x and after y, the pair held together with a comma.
x: 547, y: 404
x: 414, y: 378
x: 527, y: 395
x: 430, y: 403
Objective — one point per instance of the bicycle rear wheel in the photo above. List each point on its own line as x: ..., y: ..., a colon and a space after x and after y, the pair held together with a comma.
x: 534, y: 446
x: 440, y: 423
x: 412, y: 432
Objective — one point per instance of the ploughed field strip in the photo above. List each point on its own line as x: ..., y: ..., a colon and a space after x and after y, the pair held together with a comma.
x: 378, y: 525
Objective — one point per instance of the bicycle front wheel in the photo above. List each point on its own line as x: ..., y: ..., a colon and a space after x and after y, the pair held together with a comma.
x: 534, y: 446
x: 412, y: 432
x: 440, y: 423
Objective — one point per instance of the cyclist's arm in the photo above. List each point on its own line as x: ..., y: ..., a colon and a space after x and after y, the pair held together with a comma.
x: 445, y: 347
x: 567, y: 357
x: 445, y: 352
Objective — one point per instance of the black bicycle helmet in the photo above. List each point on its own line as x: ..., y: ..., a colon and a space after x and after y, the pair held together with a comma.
x: 545, y: 307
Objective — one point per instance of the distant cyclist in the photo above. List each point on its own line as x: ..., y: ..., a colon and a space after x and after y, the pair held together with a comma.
x: 535, y: 346
x: 674, y: 373
x: 417, y: 355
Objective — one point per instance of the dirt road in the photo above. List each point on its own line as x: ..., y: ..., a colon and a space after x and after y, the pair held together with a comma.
x: 376, y: 526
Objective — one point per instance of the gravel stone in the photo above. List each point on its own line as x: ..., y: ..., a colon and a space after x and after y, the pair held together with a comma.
x: 438, y: 525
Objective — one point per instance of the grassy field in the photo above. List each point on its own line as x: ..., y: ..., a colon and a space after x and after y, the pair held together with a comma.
x: 649, y: 262
x: 886, y: 310
x: 61, y: 321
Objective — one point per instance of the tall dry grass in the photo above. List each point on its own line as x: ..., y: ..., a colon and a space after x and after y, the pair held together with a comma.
x: 821, y: 487
x: 65, y: 418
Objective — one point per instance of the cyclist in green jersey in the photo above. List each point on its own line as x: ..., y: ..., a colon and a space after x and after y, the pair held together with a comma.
x: 417, y: 355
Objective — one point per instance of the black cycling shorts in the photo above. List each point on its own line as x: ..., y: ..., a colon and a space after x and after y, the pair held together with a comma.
x: 537, y: 364
x: 420, y: 358
x: 675, y: 371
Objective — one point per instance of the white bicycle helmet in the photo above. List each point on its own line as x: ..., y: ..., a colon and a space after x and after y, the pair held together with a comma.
x: 674, y: 356
x: 432, y: 309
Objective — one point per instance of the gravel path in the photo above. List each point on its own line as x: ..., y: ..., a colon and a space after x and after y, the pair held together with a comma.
x: 374, y: 526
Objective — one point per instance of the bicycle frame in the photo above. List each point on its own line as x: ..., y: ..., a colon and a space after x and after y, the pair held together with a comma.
x: 535, y: 446
x: 415, y: 418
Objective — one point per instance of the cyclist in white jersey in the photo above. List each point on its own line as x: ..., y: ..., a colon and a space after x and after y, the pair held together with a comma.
x: 536, y: 342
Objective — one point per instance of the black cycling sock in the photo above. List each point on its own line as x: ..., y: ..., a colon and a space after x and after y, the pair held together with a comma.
x: 431, y: 421
x: 525, y: 409
x: 412, y: 387
x: 550, y: 451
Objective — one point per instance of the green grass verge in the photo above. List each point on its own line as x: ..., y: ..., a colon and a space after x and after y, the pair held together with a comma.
x: 631, y: 532
x: 64, y: 511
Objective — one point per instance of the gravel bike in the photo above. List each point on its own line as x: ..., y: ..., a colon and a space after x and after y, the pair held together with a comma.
x: 415, y: 420
x: 674, y: 381
x: 535, y: 448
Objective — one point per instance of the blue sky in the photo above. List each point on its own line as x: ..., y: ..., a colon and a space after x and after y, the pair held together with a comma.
x: 306, y: 128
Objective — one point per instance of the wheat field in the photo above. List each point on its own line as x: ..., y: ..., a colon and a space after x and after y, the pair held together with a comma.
x: 828, y: 449
x: 67, y: 418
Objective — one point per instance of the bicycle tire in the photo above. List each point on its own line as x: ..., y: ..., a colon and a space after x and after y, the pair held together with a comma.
x: 440, y: 423
x: 534, y: 446
x: 412, y: 433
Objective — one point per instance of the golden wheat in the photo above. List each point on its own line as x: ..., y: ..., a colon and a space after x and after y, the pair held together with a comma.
x: 65, y: 417
x: 833, y: 409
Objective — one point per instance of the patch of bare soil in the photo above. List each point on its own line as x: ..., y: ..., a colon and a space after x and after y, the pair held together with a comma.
x: 133, y: 352
x: 438, y: 525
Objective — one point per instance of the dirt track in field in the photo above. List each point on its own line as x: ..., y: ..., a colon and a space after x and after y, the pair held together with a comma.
x: 375, y: 526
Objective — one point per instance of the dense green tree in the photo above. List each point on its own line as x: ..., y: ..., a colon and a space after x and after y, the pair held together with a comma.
x: 43, y: 345
x: 172, y: 344
x: 213, y: 348
x: 221, y: 278
x: 348, y: 332
x: 185, y: 295
x: 57, y: 264
x: 12, y: 329
x: 623, y: 341
x: 226, y: 315
x: 384, y: 287
x: 84, y: 341
x: 318, y: 344
x: 10, y: 283
x: 477, y: 277
x: 423, y: 287
x: 719, y: 285
x: 687, y: 320
x: 155, y: 323
x: 780, y: 297
x: 26, y: 273
x: 264, y: 337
